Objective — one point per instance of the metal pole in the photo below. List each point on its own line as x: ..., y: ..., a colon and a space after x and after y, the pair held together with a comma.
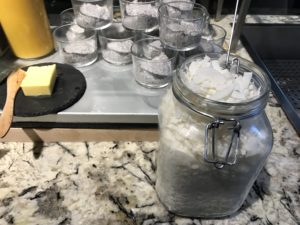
x: 219, y: 9
x: 232, y: 32
x: 240, y: 22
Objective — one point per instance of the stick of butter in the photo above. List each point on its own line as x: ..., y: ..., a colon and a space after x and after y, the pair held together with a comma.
x: 39, y: 80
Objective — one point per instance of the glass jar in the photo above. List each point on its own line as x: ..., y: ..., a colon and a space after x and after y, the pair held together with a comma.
x: 211, y: 152
x: 25, y: 24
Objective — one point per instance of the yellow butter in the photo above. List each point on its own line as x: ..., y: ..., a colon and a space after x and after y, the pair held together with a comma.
x: 39, y: 80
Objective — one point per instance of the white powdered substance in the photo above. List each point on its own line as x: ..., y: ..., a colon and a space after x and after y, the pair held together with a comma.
x: 141, y: 9
x: 81, y: 47
x: 152, y: 50
x: 96, y: 11
x: 120, y: 46
x: 115, y: 57
x: 75, y: 33
x: 118, y: 52
x: 188, y: 28
x: 159, y: 65
x: 93, y: 16
x: 76, y: 29
x: 207, y: 78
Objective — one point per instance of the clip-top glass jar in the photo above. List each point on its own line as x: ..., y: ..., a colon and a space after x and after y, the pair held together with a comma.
x: 211, y: 152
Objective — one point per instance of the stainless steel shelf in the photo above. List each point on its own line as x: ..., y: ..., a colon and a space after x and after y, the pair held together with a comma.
x: 112, y: 96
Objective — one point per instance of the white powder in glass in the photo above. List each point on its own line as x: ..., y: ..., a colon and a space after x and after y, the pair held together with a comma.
x: 115, y: 57
x: 160, y: 65
x: 93, y: 16
x: 150, y: 79
x: 75, y: 32
x: 188, y: 28
x: 81, y: 47
x: 118, y: 52
x: 76, y: 29
x: 96, y: 11
x: 120, y: 46
x: 133, y: 9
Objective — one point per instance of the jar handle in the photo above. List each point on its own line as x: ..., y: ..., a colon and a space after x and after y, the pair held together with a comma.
x: 234, y: 142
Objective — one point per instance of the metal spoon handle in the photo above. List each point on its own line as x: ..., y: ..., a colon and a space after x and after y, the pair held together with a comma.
x: 232, y: 32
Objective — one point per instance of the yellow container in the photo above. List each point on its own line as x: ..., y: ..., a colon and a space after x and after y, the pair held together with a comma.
x: 3, y: 42
x: 25, y: 24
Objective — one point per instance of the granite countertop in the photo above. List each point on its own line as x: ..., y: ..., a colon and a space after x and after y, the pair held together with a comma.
x: 95, y: 183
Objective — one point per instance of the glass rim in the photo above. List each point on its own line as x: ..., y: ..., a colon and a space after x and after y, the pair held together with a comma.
x: 64, y: 40
x: 98, y: 19
x: 150, y: 34
x: 101, y: 35
x: 66, y: 10
x: 88, y: 1
x: 148, y: 60
x: 220, y: 29
x: 195, y: 6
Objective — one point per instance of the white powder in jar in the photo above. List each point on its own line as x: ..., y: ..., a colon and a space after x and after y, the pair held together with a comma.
x: 204, y: 77
x: 207, y: 78
x: 186, y: 184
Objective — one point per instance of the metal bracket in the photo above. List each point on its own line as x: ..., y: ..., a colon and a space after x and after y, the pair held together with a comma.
x: 234, y: 141
x: 236, y: 61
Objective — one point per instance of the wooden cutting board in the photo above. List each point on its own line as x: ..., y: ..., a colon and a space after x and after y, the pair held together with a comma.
x: 69, y: 87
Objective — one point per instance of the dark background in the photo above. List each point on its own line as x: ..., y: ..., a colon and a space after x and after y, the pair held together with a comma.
x: 266, y: 7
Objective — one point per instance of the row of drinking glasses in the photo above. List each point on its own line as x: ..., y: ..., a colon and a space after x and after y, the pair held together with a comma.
x: 181, y: 22
x: 153, y: 65
x: 155, y: 59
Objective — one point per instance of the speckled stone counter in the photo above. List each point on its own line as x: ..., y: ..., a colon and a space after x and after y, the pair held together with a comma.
x: 113, y: 182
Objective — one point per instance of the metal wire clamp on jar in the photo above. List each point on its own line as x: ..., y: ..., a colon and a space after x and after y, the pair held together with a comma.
x: 211, y: 152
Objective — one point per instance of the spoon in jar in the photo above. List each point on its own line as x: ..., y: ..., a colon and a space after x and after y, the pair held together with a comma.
x: 227, y: 63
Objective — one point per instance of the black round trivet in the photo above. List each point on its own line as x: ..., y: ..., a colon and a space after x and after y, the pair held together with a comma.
x: 69, y: 87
